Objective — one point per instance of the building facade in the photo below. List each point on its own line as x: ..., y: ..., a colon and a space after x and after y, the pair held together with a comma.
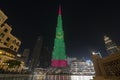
x: 6, y: 38
x: 6, y: 56
x: 9, y: 46
x: 107, y: 68
x: 82, y: 67
x: 3, y: 17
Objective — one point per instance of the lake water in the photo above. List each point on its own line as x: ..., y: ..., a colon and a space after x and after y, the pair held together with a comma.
x: 49, y: 77
x: 68, y: 77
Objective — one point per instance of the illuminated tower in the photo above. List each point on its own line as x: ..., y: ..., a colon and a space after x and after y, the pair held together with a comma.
x: 111, y: 47
x: 59, y: 54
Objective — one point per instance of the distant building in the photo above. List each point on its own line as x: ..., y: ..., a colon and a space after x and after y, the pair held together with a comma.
x: 111, y: 47
x: 70, y: 59
x: 25, y: 56
x: 82, y: 67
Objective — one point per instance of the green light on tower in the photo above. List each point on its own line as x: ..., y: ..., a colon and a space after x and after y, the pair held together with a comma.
x: 59, y: 54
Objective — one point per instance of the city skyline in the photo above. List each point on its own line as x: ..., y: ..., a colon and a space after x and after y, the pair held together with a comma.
x: 85, y: 23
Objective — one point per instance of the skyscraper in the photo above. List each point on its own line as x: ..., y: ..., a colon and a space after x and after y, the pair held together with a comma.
x: 45, y: 57
x: 59, y: 54
x: 111, y: 47
x: 41, y: 57
x: 36, y: 54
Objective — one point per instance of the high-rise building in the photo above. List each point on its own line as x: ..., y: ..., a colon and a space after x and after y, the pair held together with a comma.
x: 41, y: 57
x: 45, y: 58
x: 59, y: 54
x: 111, y: 47
x: 36, y: 54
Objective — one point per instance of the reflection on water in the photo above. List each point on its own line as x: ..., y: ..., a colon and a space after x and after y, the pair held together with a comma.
x: 50, y: 77
x: 81, y: 77
x: 15, y: 78
x: 68, y: 77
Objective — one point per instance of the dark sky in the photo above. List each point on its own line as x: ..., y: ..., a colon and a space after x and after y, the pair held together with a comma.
x: 85, y: 22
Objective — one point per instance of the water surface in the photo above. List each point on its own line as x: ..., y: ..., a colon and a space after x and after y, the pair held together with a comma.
x: 48, y: 77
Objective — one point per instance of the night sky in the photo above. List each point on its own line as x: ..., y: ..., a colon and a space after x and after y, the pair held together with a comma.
x: 85, y: 22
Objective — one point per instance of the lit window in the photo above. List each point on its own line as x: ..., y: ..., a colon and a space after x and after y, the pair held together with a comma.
x: 0, y: 52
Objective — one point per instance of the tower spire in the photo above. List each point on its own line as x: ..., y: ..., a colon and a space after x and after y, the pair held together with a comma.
x: 59, y: 12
